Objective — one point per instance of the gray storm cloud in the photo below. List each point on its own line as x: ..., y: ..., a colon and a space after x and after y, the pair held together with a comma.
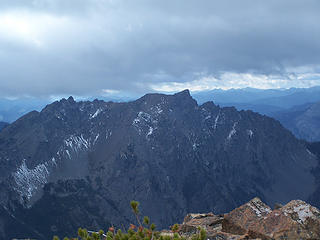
x: 81, y: 47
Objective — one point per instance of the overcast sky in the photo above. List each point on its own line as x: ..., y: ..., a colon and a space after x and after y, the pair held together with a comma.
x: 95, y: 47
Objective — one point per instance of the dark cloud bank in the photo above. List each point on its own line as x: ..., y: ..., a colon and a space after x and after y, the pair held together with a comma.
x: 82, y: 47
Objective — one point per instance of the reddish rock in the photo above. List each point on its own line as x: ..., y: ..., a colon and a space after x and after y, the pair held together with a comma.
x: 210, y: 222
x: 256, y: 220
x: 240, y: 220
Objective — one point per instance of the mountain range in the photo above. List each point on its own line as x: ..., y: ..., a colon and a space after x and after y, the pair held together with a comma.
x: 292, y: 107
x: 264, y: 101
x: 303, y: 121
x: 13, y: 108
x: 296, y: 108
x: 79, y: 164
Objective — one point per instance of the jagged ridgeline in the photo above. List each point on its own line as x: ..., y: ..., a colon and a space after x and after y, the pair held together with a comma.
x: 78, y: 164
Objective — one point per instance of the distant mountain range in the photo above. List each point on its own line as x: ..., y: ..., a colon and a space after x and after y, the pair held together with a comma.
x: 303, y: 121
x: 78, y: 164
x: 298, y: 109
x: 258, y: 100
x: 254, y: 94
x: 12, y: 109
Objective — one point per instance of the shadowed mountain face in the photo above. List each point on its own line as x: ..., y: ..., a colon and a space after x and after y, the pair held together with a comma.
x: 314, y: 148
x: 80, y: 163
x: 3, y: 125
x: 303, y: 121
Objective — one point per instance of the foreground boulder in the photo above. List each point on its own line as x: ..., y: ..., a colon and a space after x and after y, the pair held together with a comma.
x: 256, y: 220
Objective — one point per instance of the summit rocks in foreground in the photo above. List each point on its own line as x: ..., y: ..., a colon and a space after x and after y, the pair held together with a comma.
x: 256, y: 220
x: 79, y: 164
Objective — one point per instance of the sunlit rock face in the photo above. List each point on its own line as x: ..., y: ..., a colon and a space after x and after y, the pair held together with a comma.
x: 80, y: 163
x: 256, y: 220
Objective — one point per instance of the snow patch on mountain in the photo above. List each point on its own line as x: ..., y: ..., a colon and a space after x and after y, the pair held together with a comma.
x: 29, y: 180
x: 145, y: 123
x: 250, y: 133
x: 216, y: 121
x: 195, y: 146
x: 99, y: 110
x: 142, y: 117
x: 233, y: 131
x: 67, y: 152
x: 77, y: 143
x: 96, y: 139
x: 150, y: 131
x: 156, y: 109
x: 54, y: 161
x: 206, y: 114
x: 108, y: 134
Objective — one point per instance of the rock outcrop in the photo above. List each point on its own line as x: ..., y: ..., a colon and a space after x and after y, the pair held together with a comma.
x: 256, y: 220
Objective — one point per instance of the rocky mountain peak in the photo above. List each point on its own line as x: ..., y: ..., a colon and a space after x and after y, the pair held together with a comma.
x: 182, y: 97
x: 258, y: 207
x: 256, y: 220
x: 162, y: 150
x: 183, y: 94
x: 70, y: 99
x: 300, y: 211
